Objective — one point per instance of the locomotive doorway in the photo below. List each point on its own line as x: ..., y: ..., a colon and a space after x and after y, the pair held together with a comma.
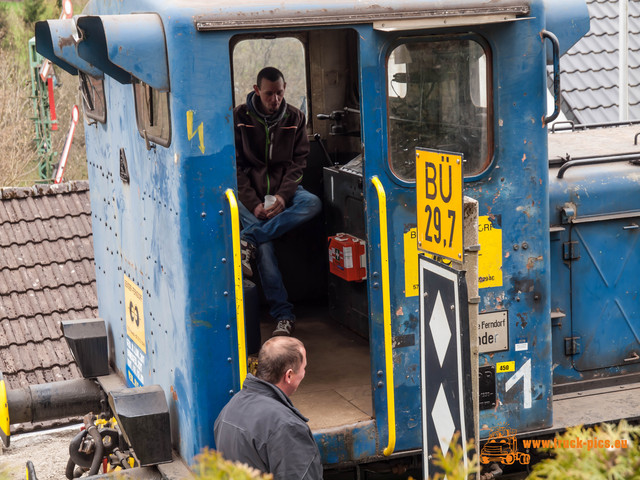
x: 605, y: 301
x: 321, y: 72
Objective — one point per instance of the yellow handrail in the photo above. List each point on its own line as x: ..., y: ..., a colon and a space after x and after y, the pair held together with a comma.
x: 386, y: 308
x: 237, y: 276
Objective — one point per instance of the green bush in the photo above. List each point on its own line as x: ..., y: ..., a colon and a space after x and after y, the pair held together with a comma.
x: 594, y: 460
x: 33, y: 10
x: 452, y: 464
x: 210, y: 465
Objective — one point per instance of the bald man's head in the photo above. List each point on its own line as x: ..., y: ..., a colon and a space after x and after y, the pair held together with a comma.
x: 277, y: 356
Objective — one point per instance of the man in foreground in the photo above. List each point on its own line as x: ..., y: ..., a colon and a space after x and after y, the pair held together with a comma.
x: 271, y: 154
x: 261, y: 427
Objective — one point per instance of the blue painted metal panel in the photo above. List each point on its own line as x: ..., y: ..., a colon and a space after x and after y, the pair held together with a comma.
x: 346, y: 444
x: 169, y: 231
x: 133, y: 43
x: 596, y: 193
x: 605, y: 297
x: 55, y: 41
x: 516, y: 189
x: 93, y: 48
x: 568, y: 21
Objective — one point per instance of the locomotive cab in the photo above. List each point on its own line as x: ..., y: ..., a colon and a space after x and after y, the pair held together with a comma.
x: 376, y: 81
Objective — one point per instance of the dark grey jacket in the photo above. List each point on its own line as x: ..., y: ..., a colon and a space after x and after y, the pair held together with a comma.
x: 261, y: 427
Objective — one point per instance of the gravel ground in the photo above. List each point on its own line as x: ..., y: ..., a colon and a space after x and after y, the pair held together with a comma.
x: 48, y: 450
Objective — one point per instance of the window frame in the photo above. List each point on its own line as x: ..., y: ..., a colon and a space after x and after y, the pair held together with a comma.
x: 93, y: 113
x: 144, y: 124
x: 489, y: 160
x: 301, y: 37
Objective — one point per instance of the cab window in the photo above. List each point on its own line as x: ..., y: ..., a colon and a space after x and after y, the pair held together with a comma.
x: 93, y: 101
x: 438, y: 98
x: 152, y: 113
x: 287, y: 54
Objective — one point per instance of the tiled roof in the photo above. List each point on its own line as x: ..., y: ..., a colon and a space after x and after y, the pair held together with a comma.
x: 590, y: 69
x: 47, y: 275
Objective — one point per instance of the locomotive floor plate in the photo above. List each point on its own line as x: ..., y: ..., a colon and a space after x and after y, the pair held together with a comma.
x: 583, y: 143
x: 336, y: 389
x: 591, y: 407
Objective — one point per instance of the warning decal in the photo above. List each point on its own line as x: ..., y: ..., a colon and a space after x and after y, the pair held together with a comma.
x: 490, y: 255
x: 134, y: 312
x: 411, y: 280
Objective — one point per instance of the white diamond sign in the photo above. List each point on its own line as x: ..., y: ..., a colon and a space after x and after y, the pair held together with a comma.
x: 442, y: 420
x: 445, y: 356
x: 440, y: 328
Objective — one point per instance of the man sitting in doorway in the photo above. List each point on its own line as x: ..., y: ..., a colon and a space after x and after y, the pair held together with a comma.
x: 271, y: 154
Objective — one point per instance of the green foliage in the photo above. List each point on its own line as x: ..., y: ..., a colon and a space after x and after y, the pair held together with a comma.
x: 13, y: 34
x: 18, y: 157
x: 210, y: 465
x: 593, y: 461
x: 32, y: 10
x: 453, y: 463
x: 17, y: 21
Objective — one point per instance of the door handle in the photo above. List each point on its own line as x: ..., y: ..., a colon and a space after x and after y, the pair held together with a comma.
x: 237, y: 277
x: 556, y: 76
x: 386, y: 306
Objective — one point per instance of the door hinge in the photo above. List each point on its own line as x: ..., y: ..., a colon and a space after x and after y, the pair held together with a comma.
x: 571, y: 346
x: 570, y: 251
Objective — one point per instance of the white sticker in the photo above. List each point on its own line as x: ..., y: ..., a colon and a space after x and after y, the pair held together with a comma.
x: 348, y: 258
x: 521, y: 347
x: 135, y: 362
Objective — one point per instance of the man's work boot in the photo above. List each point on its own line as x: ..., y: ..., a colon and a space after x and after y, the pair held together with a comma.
x: 247, y: 254
x: 285, y: 328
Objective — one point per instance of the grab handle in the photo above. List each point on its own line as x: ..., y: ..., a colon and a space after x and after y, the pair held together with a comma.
x: 556, y: 76
x: 386, y: 310
x: 237, y: 277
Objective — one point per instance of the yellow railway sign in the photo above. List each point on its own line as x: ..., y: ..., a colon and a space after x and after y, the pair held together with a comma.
x: 439, y: 203
x: 134, y: 312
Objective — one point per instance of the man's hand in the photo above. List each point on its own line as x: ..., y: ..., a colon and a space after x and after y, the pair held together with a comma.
x: 276, y: 208
x: 259, y: 212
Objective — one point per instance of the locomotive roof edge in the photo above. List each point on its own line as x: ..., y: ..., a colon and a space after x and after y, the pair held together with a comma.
x: 262, y: 14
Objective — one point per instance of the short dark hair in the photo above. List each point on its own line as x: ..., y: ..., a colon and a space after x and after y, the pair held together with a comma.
x: 270, y: 73
x: 277, y: 355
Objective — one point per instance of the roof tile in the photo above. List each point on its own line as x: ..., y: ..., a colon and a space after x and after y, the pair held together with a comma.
x: 47, y: 275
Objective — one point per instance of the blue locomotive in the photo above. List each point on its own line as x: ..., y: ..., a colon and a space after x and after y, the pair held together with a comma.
x: 558, y: 298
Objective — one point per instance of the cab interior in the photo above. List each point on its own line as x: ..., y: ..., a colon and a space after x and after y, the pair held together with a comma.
x: 437, y: 95
x: 321, y: 73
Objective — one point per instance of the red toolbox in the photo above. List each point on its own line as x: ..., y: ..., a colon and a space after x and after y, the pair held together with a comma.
x: 347, y: 257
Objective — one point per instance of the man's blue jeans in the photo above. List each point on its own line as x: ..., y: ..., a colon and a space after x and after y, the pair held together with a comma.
x: 304, y: 206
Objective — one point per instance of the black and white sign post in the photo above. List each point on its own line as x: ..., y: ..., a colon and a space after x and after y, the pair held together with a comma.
x: 445, y: 354
x: 447, y: 406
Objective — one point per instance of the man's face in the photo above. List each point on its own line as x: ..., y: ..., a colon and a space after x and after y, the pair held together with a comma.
x: 271, y: 94
x: 296, y: 377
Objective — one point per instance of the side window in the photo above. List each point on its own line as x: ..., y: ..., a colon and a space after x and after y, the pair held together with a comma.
x: 93, y: 101
x: 438, y: 96
x: 287, y: 54
x: 152, y: 113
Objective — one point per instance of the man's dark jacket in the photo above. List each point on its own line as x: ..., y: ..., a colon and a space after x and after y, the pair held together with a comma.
x: 270, y: 157
x: 261, y: 427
